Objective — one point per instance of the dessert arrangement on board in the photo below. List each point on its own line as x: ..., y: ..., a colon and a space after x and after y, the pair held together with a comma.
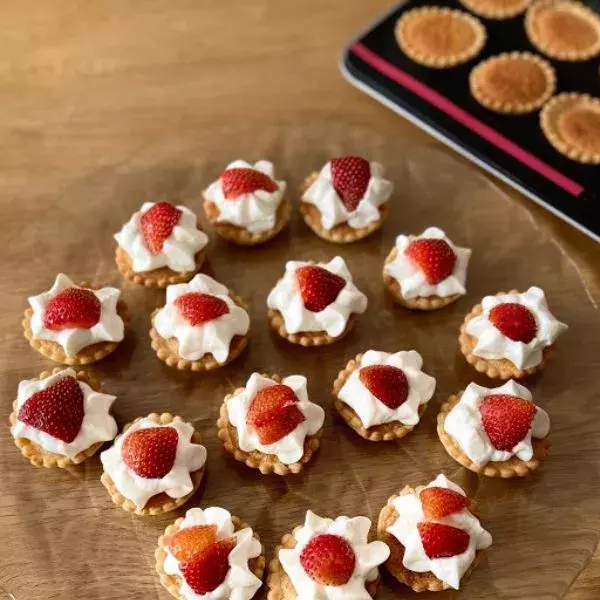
x: 429, y: 537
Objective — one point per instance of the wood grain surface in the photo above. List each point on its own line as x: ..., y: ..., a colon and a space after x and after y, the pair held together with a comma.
x: 86, y: 86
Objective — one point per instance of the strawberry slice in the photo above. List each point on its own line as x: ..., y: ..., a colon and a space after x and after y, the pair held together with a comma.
x: 442, y: 541
x: 150, y: 452
x: 506, y: 419
x: 57, y: 410
x: 73, y: 308
x: 350, y: 176
x: 440, y: 502
x: 274, y: 413
x: 238, y: 181
x: 207, y: 570
x: 188, y: 542
x: 328, y: 559
x: 515, y: 321
x: 157, y: 224
x: 387, y: 383
x: 318, y: 287
x: 434, y: 257
x: 198, y: 308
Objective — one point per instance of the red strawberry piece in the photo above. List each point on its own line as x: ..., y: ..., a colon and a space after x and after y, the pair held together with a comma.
x: 506, y: 419
x: 188, y: 542
x: 328, y: 559
x: 442, y: 541
x: 207, y: 570
x: 73, y: 308
x: 440, y: 502
x: 150, y: 452
x: 387, y: 383
x: 515, y: 321
x: 318, y: 287
x: 274, y: 413
x: 57, y: 410
x: 350, y: 176
x: 198, y: 308
x: 157, y: 225
x: 239, y: 181
x: 434, y: 257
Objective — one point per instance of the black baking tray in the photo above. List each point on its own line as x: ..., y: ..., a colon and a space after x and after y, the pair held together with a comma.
x: 513, y: 148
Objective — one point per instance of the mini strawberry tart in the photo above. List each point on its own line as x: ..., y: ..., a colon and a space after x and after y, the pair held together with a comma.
x: 247, y: 205
x: 202, y: 326
x: 271, y: 425
x: 62, y: 418
x: 497, y: 432
x: 315, y: 303
x: 381, y: 395
x: 154, y: 466
x: 346, y: 200
x: 510, y: 336
x: 210, y: 555
x: 435, y: 539
x: 75, y: 324
x: 160, y: 245
x: 327, y: 559
x: 426, y: 272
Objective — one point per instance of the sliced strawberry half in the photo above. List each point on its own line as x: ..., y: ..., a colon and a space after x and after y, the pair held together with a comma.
x: 150, y: 452
x: 506, y: 419
x: 238, y: 181
x: 188, y: 542
x: 442, y: 541
x: 73, y: 308
x: 198, y: 308
x: 440, y: 502
x: 157, y: 224
x: 350, y: 176
x: 318, y: 287
x: 387, y: 383
x: 57, y: 410
x: 207, y: 569
x: 274, y: 413
x: 328, y: 559
x: 434, y: 257
x: 515, y: 321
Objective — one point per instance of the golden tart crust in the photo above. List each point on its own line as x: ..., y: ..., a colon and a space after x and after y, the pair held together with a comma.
x: 496, y: 9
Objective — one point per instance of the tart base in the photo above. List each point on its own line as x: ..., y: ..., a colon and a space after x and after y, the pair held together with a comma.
x: 39, y: 457
x: 160, y: 278
x: 496, y: 9
x: 514, y: 467
x: 172, y: 583
x: 160, y: 503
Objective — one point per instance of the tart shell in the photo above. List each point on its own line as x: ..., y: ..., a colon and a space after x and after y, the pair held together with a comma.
x: 496, y: 9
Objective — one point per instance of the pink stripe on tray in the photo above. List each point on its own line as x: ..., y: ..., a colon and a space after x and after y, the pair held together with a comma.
x: 469, y: 121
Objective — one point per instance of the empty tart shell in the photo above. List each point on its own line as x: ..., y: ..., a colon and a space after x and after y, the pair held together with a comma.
x: 439, y: 37
x: 513, y: 82
x: 496, y: 9
x: 571, y: 123
x: 563, y: 29
x: 514, y: 467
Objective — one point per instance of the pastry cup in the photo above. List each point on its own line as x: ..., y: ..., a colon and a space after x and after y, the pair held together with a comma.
x: 265, y: 463
x: 420, y: 302
x: 39, y: 457
x: 280, y: 585
x: 419, y: 582
x: 241, y: 235
x: 160, y: 278
x: 496, y: 9
x: 87, y: 355
x: 514, y: 467
x: 160, y: 503
x: 172, y: 583
x: 377, y: 433
x: 501, y: 368
x: 342, y: 233
x: 167, y: 350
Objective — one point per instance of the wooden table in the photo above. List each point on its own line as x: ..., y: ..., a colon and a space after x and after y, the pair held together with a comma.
x: 85, y: 84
